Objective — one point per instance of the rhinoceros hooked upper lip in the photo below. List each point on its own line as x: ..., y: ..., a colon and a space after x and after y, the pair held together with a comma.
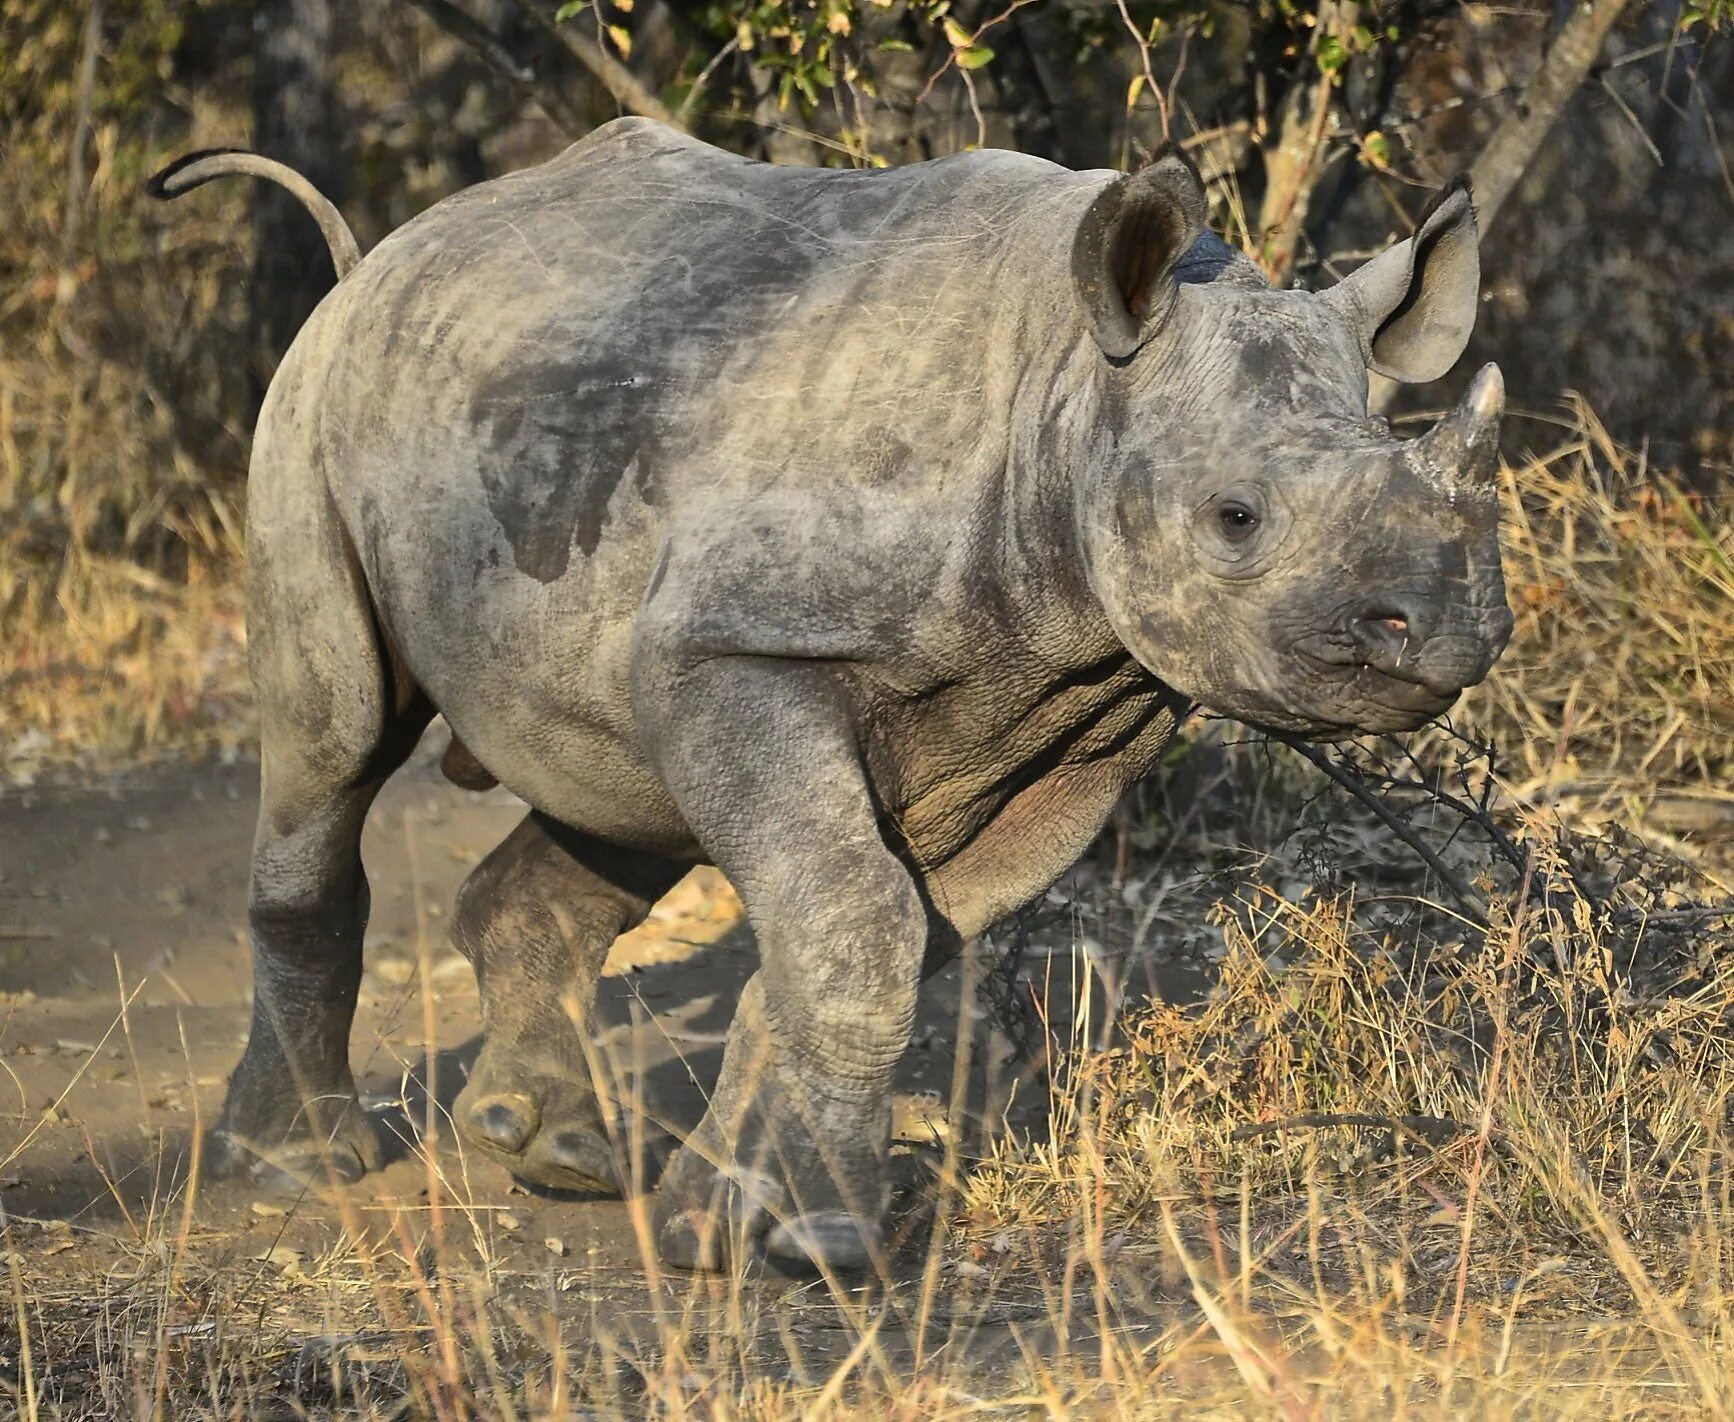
x: 864, y: 534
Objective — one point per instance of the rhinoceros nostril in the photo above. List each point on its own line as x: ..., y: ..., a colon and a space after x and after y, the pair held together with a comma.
x: 1388, y: 634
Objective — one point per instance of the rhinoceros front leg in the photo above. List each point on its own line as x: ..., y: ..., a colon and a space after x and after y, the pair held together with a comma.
x: 536, y: 919
x: 763, y: 759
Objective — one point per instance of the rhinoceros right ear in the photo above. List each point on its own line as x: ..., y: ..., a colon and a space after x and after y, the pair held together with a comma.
x: 1127, y: 244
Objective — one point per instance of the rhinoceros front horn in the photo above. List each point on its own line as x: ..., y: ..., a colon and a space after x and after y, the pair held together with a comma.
x: 1465, y: 443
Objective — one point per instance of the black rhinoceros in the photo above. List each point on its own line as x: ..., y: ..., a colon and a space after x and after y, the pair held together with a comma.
x: 864, y: 534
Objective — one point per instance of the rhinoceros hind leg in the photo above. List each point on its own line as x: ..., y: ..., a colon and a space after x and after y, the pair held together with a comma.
x: 536, y: 918
x: 337, y: 716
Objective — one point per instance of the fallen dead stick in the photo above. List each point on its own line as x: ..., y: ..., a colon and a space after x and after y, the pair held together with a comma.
x: 16, y: 933
x: 1434, y: 1129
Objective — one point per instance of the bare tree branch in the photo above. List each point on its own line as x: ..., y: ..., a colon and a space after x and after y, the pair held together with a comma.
x: 76, y: 181
x: 1467, y: 900
x: 1296, y: 161
x: 629, y: 91
x: 488, y: 46
x: 515, y: 68
x: 1502, y: 163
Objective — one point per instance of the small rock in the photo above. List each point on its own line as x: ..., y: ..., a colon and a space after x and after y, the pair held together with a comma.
x: 285, y: 1259
x: 556, y: 1245
x: 394, y: 972
x: 450, y: 971
x: 512, y: 1224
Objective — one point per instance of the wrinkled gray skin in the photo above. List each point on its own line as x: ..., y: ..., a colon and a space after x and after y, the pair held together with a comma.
x: 863, y: 534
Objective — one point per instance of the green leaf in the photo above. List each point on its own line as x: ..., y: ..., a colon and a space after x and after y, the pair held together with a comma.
x: 1332, y: 55
x: 974, y: 57
x: 569, y: 9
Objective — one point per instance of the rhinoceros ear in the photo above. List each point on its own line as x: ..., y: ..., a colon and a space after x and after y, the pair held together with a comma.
x: 1126, y: 246
x: 1415, y: 304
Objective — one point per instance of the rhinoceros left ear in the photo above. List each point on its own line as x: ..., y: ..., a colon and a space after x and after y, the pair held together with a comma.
x: 1127, y: 244
x: 1415, y: 304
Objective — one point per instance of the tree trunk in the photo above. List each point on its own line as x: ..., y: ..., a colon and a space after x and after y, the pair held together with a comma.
x: 295, y: 122
x: 1514, y: 144
x: 1295, y: 162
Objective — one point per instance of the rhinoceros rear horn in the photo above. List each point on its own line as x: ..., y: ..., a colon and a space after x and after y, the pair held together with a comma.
x: 1465, y: 443
x: 1127, y: 244
x: 1415, y: 303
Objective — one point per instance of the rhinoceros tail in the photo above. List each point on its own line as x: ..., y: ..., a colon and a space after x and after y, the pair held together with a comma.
x: 197, y: 169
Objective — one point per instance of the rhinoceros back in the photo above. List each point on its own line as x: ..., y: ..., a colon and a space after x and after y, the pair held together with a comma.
x: 527, y: 391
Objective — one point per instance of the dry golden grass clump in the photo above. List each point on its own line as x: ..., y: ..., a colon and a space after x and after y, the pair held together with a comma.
x: 1616, y: 695
x: 1356, y: 1148
x: 1492, y: 1179
x: 122, y: 411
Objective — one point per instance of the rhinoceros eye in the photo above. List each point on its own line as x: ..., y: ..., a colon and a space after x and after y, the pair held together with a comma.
x: 1236, y: 520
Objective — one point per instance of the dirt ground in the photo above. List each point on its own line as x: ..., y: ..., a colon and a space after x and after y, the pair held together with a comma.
x: 124, y: 1002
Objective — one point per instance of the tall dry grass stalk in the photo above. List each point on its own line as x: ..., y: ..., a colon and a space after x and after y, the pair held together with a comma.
x: 123, y: 403
x: 1616, y: 696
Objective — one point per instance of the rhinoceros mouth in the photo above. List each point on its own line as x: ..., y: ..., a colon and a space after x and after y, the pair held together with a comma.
x: 1336, y: 658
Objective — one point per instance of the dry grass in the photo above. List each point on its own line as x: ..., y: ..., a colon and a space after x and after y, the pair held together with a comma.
x: 122, y: 429
x: 1388, y: 1164
x: 1615, y: 696
x: 1532, y: 1214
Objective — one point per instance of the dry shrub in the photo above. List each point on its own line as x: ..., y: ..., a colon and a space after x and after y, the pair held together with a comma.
x: 122, y: 406
x: 1617, y: 692
x: 1353, y: 1136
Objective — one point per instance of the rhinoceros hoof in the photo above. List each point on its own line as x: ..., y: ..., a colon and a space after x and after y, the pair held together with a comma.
x: 821, y: 1243
x: 510, y: 1127
x: 707, y: 1220
x: 825, y: 1242
x: 295, y: 1166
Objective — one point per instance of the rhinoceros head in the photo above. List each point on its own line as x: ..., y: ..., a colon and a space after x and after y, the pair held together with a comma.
x: 1255, y: 538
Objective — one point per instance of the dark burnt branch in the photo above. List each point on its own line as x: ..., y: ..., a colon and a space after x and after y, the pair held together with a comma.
x: 487, y: 46
x: 1352, y: 781
x: 522, y: 64
x: 627, y: 89
x: 1435, y: 1130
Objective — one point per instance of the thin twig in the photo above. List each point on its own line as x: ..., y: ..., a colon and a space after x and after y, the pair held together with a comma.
x: 1465, y: 896
x: 1432, y: 1129
x: 626, y: 88
x: 686, y: 104
x: 90, y: 46
x: 488, y: 46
